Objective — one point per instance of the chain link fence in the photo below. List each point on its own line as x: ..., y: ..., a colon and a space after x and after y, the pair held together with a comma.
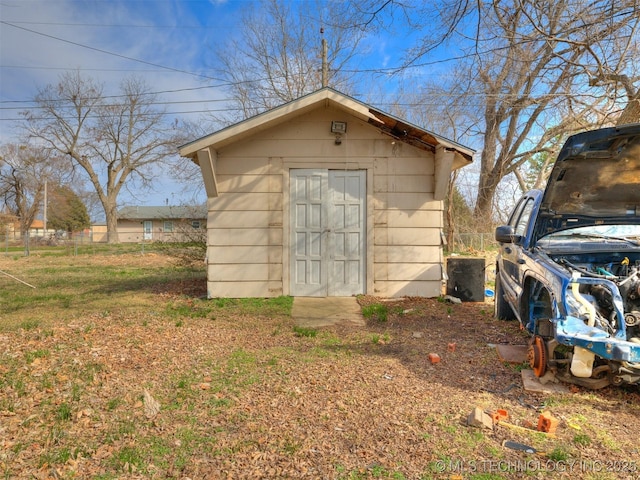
x: 12, y: 244
x: 88, y: 243
x: 473, y: 242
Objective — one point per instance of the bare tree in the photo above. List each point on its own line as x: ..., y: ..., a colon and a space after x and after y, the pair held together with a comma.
x: 277, y: 57
x: 24, y: 170
x: 541, y: 74
x: 113, y: 140
x: 611, y: 54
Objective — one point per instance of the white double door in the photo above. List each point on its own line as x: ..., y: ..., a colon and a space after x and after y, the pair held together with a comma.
x: 327, y: 232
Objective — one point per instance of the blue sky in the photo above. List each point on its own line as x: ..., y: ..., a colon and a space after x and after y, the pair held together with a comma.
x: 40, y: 39
x: 169, y: 43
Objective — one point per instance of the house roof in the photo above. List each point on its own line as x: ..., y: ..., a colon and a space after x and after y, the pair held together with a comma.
x: 387, y: 123
x: 163, y: 213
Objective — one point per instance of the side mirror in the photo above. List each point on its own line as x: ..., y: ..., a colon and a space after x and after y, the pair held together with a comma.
x: 505, y: 234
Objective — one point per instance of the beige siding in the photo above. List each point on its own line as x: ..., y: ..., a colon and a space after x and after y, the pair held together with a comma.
x: 245, y: 236
x: 244, y: 256
x: 257, y: 272
x: 99, y: 233
x: 410, y: 165
x: 243, y: 165
x: 407, y: 250
x: 408, y: 218
x: 248, y: 201
x: 248, y: 223
x: 405, y: 254
x: 405, y: 201
x: 408, y: 289
x: 130, y: 231
x: 407, y: 236
x: 247, y: 183
x: 414, y: 184
x: 407, y: 272
x: 243, y: 219
x: 238, y: 289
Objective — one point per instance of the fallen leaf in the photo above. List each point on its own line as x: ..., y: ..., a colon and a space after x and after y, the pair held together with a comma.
x: 151, y: 405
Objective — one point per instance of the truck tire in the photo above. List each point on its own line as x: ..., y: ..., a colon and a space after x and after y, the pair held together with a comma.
x: 502, y: 310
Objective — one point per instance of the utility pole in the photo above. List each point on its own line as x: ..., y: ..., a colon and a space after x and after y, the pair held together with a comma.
x: 44, y: 215
x: 325, y: 63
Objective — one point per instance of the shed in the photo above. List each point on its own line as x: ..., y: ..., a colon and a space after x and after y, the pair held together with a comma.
x: 325, y: 196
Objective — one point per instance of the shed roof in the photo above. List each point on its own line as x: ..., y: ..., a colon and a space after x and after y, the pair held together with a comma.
x: 387, y: 123
x: 162, y: 213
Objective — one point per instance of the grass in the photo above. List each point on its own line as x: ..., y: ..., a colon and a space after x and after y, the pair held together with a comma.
x: 63, y: 412
x: 518, y: 367
x: 380, y: 339
x: 31, y: 356
x: 256, y: 306
x: 85, y: 344
x: 128, y: 459
x: 305, y: 332
x: 582, y: 439
x: 376, y: 311
x: 69, y: 285
x: 73, y: 248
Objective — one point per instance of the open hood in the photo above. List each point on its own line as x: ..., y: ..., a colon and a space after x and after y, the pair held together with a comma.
x: 595, y: 181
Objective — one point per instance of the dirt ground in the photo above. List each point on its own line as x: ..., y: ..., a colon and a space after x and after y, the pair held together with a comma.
x: 238, y: 396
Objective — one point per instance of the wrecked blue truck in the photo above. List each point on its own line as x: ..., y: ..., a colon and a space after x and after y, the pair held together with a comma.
x: 568, y: 267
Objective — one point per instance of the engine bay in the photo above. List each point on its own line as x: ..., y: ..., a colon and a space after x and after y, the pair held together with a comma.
x: 611, y: 283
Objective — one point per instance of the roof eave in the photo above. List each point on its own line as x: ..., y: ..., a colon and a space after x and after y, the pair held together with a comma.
x: 421, y: 138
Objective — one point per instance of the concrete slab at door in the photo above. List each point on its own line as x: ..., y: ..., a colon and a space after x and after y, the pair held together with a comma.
x: 312, y: 312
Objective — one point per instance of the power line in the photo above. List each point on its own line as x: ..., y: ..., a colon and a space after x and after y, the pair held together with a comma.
x: 159, y: 92
x: 107, y: 52
x: 416, y: 104
x: 30, y: 67
x: 172, y: 102
x: 108, y: 25
x: 141, y: 114
x: 218, y: 100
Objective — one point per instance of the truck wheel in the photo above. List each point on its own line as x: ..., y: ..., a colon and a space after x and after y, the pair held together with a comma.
x: 537, y: 355
x: 502, y: 310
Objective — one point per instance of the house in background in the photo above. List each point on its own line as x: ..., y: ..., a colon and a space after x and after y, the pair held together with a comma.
x: 10, y: 228
x: 36, y: 229
x: 167, y: 224
x: 325, y: 196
